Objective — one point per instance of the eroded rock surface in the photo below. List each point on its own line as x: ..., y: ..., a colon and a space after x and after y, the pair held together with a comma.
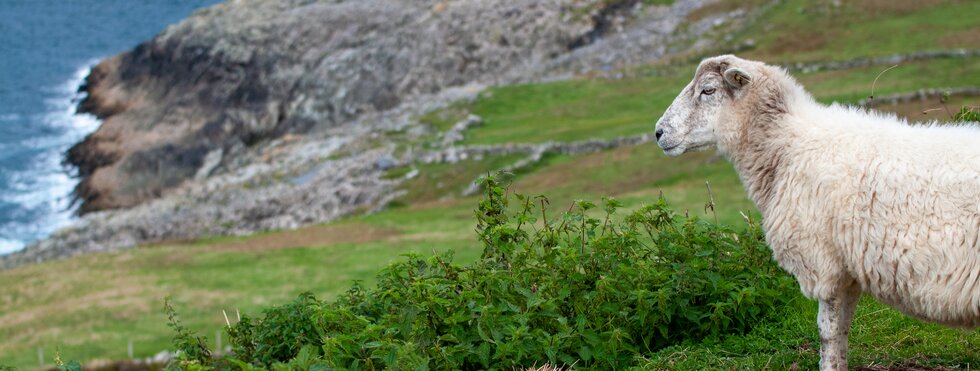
x: 245, y: 71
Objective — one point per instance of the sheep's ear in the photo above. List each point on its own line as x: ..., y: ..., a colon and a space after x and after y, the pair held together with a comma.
x: 737, y: 78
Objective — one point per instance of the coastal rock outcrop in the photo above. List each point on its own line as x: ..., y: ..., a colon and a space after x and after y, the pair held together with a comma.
x: 246, y: 71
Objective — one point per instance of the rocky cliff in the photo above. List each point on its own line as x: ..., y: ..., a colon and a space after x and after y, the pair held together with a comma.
x: 265, y: 114
x: 247, y: 71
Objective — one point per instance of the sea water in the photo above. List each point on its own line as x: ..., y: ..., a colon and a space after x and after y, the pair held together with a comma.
x: 47, y: 47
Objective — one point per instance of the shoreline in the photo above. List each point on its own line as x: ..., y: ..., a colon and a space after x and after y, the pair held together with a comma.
x: 50, y: 182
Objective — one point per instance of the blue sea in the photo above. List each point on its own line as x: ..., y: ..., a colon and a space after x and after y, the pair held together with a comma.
x: 47, y: 47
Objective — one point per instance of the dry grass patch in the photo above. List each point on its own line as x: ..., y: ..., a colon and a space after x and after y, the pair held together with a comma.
x: 721, y: 7
x: 958, y: 39
x: 121, y: 298
x: 611, y: 172
x: 317, y: 235
x: 795, y: 42
x: 879, y: 8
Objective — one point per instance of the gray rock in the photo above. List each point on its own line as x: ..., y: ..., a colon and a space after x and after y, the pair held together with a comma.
x: 211, y: 161
x: 455, y: 134
x: 252, y: 70
x: 384, y: 163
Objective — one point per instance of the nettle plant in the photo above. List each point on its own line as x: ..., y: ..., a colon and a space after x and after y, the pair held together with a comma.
x: 967, y: 113
x: 575, y: 289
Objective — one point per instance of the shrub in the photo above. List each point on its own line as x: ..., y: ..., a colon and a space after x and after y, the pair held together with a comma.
x: 967, y: 113
x: 596, y: 292
x: 192, y: 349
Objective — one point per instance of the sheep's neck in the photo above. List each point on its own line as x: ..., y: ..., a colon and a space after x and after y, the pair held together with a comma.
x: 757, y: 152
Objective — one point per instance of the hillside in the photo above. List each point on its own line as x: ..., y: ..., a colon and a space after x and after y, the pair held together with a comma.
x: 92, y: 306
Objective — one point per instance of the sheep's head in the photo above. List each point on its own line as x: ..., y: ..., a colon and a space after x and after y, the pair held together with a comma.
x: 692, y: 121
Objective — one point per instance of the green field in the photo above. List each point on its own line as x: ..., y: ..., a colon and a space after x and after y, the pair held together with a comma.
x: 91, y: 307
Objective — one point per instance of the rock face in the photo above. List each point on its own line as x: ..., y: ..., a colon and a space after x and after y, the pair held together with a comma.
x: 246, y: 71
x: 270, y: 114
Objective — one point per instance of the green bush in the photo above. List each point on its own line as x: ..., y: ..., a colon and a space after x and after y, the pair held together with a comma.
x: 967, y: 114
x: 596, y: 292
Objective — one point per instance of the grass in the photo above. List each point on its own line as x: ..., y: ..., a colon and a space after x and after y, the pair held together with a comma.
x: 92, y: 306
x: 442, y: 181
x: 808, y: 31
x: 444, y: 119
x: 583, y: 109
x: 880, y: 336
x: 855, y: 84
x: 572, y: 110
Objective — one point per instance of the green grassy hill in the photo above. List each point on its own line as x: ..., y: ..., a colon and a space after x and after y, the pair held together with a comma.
x: 91, y: 307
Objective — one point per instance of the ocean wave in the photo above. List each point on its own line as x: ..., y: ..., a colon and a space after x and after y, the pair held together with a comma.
x: 62, y: 106
x: 42, y: 190
x: 45, y: 184
x: 6, y: 117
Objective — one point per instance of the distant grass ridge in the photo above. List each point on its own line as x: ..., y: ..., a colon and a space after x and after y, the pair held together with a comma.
x: 571, y: 288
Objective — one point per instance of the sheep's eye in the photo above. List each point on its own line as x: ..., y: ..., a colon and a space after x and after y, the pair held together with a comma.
x: 708, y: 91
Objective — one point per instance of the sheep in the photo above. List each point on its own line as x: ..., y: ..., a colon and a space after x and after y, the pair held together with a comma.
x: 852, y: 201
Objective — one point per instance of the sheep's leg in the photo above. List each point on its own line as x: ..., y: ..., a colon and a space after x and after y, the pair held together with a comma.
x: 851, y: 296
x: 834, y: 319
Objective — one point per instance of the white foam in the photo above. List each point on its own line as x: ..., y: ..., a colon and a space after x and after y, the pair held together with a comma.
x: 45, y: 186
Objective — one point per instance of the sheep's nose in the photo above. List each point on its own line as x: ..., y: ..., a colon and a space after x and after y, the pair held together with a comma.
x: 660, y: 133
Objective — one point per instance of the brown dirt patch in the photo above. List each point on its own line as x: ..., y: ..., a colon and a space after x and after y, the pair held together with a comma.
x: 912, y: 111
x: 878, y: 8
x: 318, y: 235
x: 720, y: 7
x: 969, y: 38
x: 795, y: 42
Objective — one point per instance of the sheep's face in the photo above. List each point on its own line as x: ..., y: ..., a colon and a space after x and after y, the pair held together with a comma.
x: 690, y: 123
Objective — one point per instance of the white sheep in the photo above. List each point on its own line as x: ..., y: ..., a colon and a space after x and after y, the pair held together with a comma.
x: 852, y: 201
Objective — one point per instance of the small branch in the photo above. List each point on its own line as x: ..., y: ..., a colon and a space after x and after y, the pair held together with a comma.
x: 711, y: 202
x: 544, y: 216
x: 527, y: 206
x: 605, y: 223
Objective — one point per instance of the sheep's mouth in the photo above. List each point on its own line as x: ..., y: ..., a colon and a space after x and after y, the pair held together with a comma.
x: 673, y: 150
x: 700, y: 147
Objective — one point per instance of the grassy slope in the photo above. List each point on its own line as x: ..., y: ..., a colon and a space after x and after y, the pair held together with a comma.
x: 808, y: 31
x: 92, y: 306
